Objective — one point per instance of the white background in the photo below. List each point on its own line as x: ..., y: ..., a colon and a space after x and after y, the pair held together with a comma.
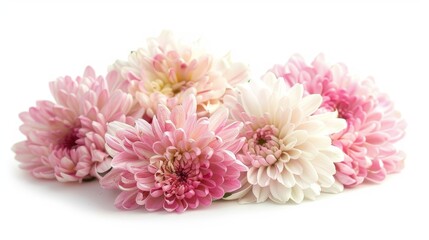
x: 41, y: 41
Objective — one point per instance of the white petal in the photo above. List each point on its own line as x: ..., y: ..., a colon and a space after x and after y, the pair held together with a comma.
x: 294, y: 167
x: 333, y: 124
x: 282, y: 120
x: 294, y: 153
x: 321, y: 141
x: 248, y: 198
x: 249, y: 100
x: 240, y: 193
x: 333, y: 153
x: 309, y: 151
x: 301, y: 182
x: 337, y: 187
x: 312, y: 192
x: 286, y: 178
x: 295, y: 94
x: 261, y: 193
x: 323, y: 165
x: 285, y: 131
x: 252, y: 175
x: 300, y: 135
x: 273, y: 172
x: 310, y: 104
x: 297, y: 116
x: 280, y: 164
x: 326, y: 181
x: 309, y: 174
x: 279, y: 193
x: 263, y: 178
x: 297, y: 195
x: 312, y: 127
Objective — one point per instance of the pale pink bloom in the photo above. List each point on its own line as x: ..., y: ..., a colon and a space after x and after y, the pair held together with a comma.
x: 65, y: 138
x: 176, y: 162
x: 165, y: 68
x: 373, y: 125
x: 288, y: 149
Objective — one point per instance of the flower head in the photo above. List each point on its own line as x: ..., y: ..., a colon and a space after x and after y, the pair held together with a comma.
x: 162, y: 71
x: 65, y: 138
x: 176, y: 162
x: 287, y: 149
x: 373, y: 125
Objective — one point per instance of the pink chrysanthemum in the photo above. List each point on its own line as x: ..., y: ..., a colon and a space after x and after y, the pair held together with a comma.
x: 373, y: 123
x: 65, y: 139
x: 165, y: 69
x: 175, y: 162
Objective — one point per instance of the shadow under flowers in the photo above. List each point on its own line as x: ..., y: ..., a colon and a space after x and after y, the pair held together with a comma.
x: 87, y: 194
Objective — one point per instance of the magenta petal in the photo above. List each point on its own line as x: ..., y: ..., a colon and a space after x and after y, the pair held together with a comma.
x: 230, y: 185
x: 346, y: 180
x: 123, y: 159
x: 154, y: 204
x: 141, y: 198
x: 344, y: 168
x: 376, y: 176
x: 202, y: 191
x: 127, y: 200
x: 113, y: 142
x: 205, y: 201
x: 156, y: 193
x: 170, y: 207
x: 182, y: 206
x: 111, y: 179
x: 217, y: 192
x: 377, y: 172
x: 209, y: 183
x: 193, y: 202
x: 377, y: 138
x: 218, y: 179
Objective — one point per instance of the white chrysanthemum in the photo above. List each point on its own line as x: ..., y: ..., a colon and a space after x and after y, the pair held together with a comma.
x: 288, y: 149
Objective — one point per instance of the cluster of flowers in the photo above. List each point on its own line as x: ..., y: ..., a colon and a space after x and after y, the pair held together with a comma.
x: 175, y: 128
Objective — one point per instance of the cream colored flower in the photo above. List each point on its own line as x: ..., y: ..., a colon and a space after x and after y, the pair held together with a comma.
x: 288, y: 149
x: 166, y: 69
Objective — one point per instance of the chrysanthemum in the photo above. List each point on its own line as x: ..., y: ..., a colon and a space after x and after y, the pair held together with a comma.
x: 287, y: 149
x: 373, y: 125
x: 65, y: 138
x: 163, y: 70
x: 176, y: 162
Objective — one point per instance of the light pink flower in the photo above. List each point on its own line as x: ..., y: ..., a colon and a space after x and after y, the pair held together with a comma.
x: 165, y: 68
x: 65, y: 139
x: 177, y: 161
x: 373, y: 123
x: 287, y: 149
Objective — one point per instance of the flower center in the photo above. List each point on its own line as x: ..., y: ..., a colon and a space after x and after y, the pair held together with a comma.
x: 172, y: 74
x: 265, y: 134
x: 263, y: 145
x: 69, y: 140
x: 182, y: 175
x: 167, y: 88
x: 344, y: 104
x: 261, y: 141
x: 264, y: 137
x: 179, y: 174
x: 179, y: 163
